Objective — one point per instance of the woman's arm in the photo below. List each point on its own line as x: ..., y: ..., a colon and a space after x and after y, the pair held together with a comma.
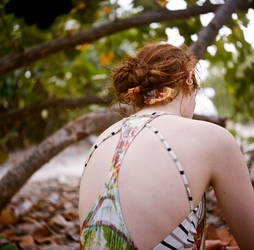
x: 231, y: 182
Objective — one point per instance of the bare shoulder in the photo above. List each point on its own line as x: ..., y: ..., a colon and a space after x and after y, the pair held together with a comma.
x: 212, y: 133
x: 222, y: 147
x: 203, y: 129
x: 213, y: 128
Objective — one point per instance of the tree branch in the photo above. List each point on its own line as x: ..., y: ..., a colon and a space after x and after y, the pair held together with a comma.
x: 72, y: 132
x: 207, y: 35
x: 30, y: 55
x: 73, y: 102
x: 205, y: 38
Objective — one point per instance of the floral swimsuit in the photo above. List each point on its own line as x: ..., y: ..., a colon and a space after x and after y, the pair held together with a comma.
x: 104, y: 226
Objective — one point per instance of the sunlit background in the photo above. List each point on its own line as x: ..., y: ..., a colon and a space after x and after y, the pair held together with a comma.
x: 204, y: 104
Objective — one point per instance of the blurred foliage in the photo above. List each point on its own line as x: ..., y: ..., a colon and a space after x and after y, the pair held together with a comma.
x: 222, y: 100
x: 86, y: 68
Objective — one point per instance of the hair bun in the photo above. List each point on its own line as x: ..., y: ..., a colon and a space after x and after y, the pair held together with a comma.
x: 139, y: 73
x: 143, y: 73
x: 155, y: 66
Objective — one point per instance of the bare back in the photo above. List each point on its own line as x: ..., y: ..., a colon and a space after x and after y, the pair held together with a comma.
x: 149, y: 178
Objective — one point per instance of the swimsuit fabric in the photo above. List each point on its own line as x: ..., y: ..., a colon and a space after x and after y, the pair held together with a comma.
x: 104, y: 226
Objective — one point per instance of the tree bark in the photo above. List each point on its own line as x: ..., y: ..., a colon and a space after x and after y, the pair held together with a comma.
x: 72, y: 102
x: 30, y: 55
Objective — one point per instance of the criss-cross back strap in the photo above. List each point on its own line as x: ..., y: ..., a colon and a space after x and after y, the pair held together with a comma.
x: 127, y: 135
x: 176, y: 161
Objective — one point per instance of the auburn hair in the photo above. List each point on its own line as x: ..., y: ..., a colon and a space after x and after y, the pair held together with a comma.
x: 154, y: 66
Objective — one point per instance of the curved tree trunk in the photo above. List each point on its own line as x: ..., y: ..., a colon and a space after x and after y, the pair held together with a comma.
x: 72, y: 132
